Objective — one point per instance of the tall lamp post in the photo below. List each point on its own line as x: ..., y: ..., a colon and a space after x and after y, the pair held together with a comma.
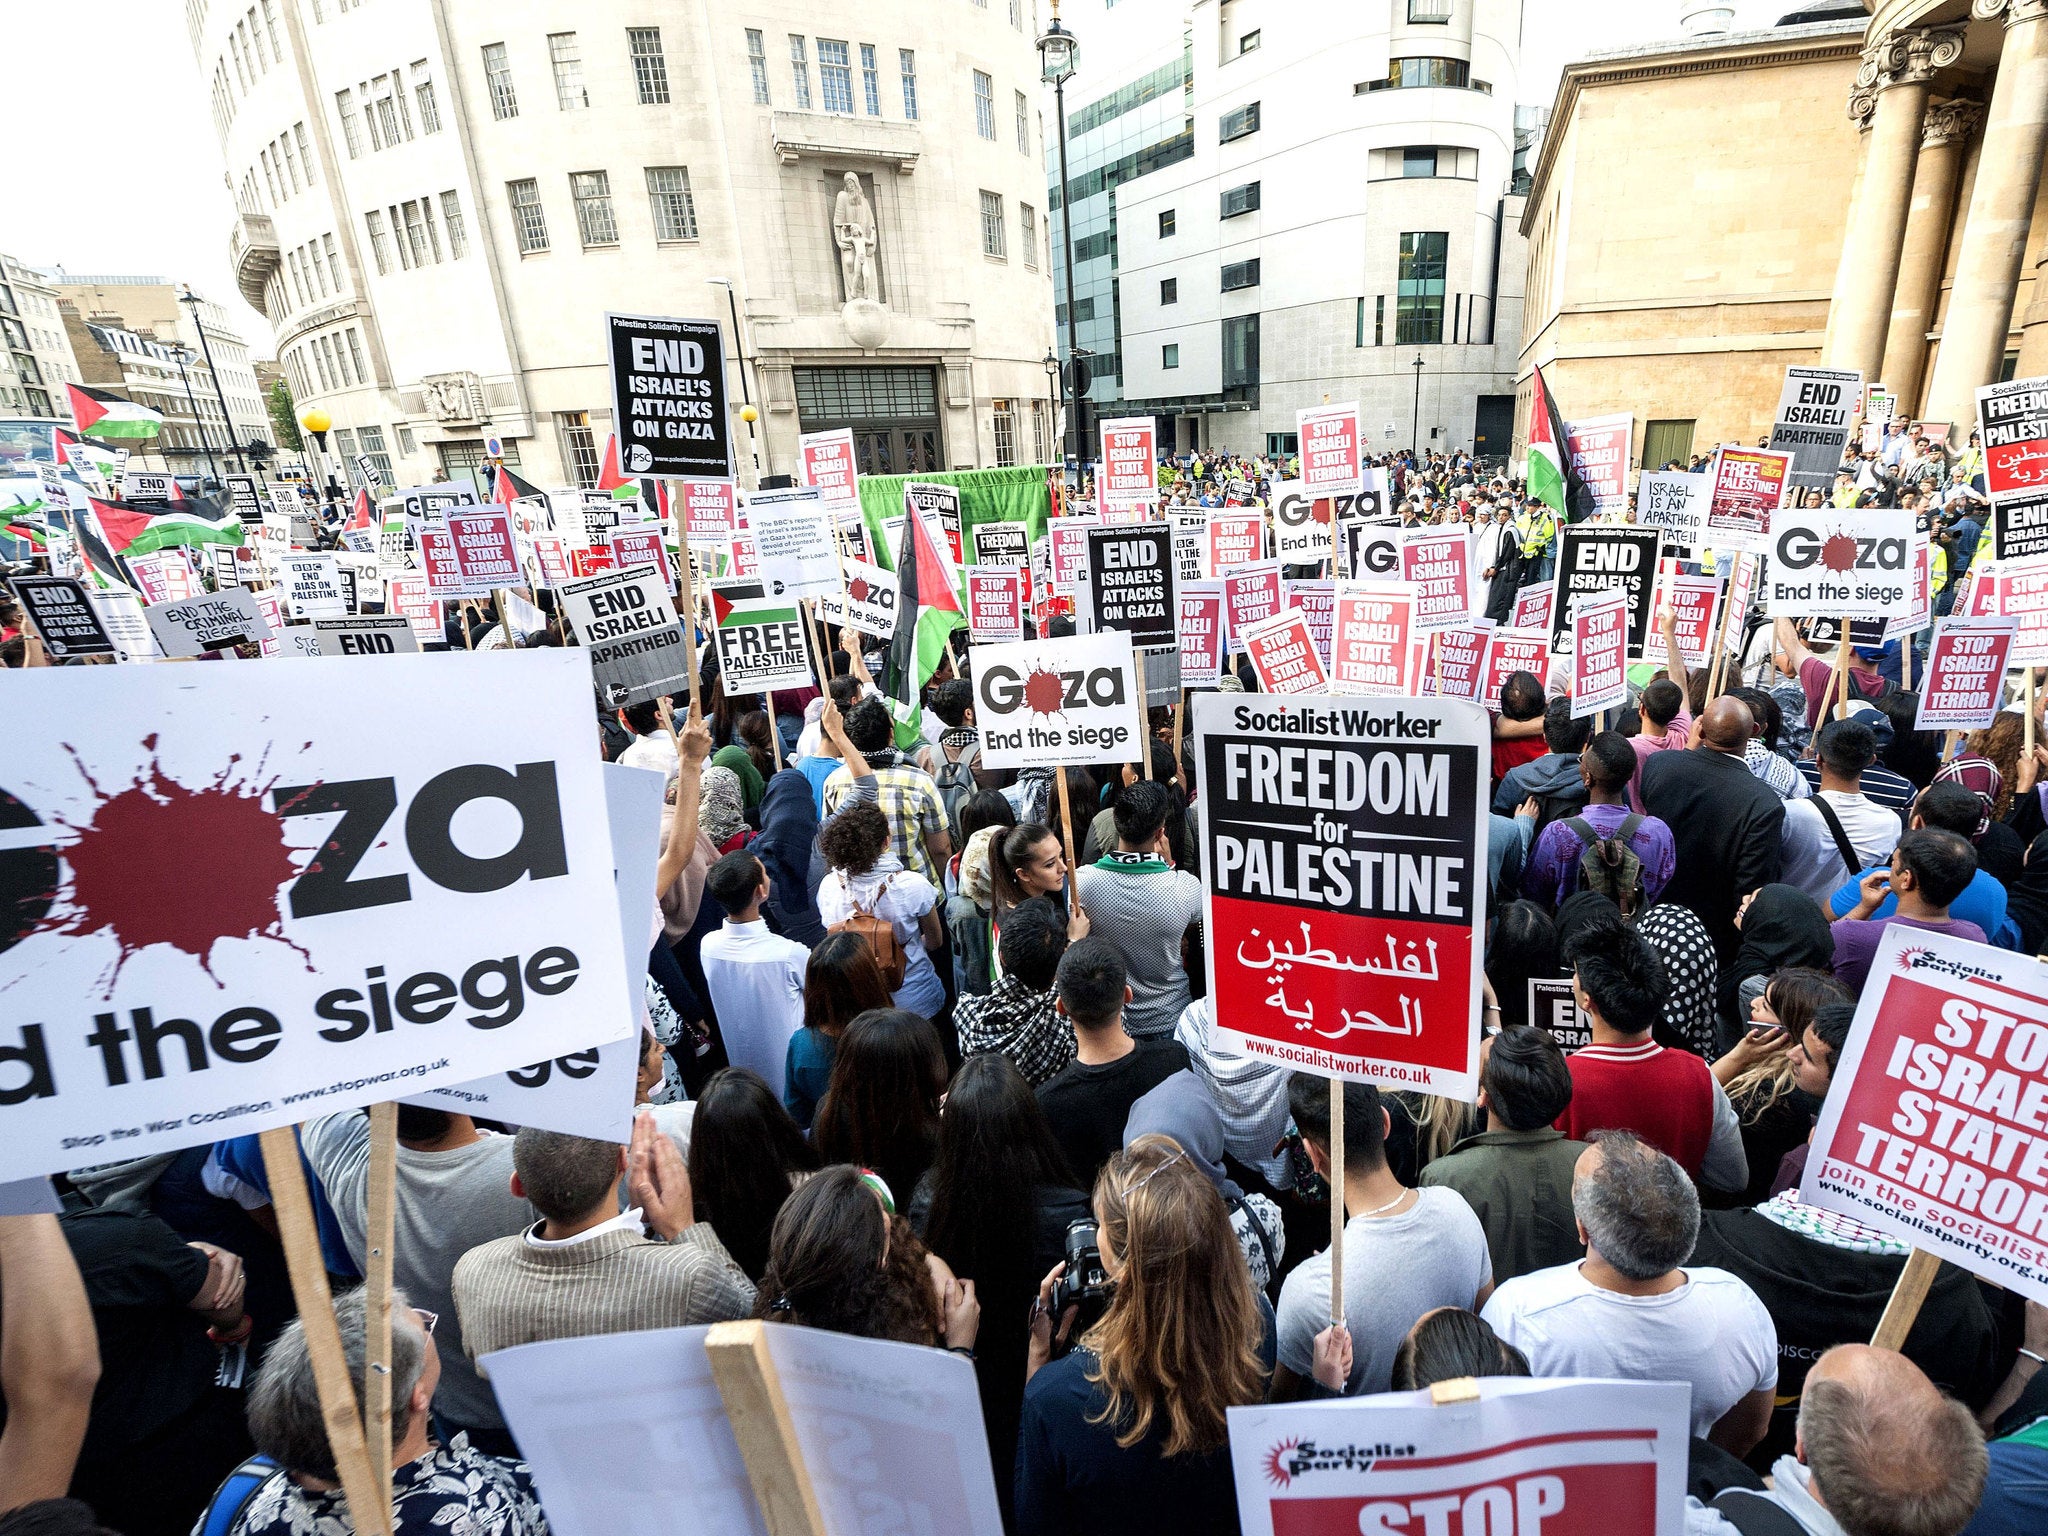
x: 1052, y: 394
x: 315, y: 423
x: 747, y: 412
x: 227, y: 420
x: 1057, y: 54
x: 185, y: 355
x: 1415, y: 427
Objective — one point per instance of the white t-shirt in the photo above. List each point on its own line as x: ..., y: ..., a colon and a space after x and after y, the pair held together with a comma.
x: 1712, y: 1332
x: 654, y: 751
x: 908, y: 897
x: 1811, y: 860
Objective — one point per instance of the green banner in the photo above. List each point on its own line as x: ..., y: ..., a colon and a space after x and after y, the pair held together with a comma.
x: 1015, y: 495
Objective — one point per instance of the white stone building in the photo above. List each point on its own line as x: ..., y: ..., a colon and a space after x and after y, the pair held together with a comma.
x: 439, y: 199
x: 36, y: 360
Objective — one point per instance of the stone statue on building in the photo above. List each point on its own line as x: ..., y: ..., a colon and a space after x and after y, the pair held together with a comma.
x: 853, y: 231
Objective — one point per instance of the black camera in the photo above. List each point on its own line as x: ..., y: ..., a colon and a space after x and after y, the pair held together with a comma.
x: 1084, y: 1284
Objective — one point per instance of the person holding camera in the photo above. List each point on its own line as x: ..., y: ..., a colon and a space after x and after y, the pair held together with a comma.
x: 1127, y: 1431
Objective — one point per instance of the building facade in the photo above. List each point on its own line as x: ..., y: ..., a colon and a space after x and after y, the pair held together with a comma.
x: 1345, y: 207
x: 36, y: 360
x: 440, y: 199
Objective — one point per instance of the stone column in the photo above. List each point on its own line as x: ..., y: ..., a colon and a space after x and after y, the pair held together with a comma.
x: 1994, y: 238
x: 1890, y: 98
x: 1943, y: 138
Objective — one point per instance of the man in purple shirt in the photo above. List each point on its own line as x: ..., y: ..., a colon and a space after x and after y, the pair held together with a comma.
x: 1553, y: 870
x: 1929, y: 869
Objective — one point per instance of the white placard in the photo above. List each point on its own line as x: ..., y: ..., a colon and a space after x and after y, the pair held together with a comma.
x: 207, y: 623
x: 1046, y: 703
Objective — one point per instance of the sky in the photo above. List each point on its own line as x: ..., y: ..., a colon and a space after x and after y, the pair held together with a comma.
x: 114, y: 119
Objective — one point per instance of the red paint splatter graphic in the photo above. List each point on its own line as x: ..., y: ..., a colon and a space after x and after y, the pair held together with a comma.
x: 858, y: 589
x: 1321, y: 509
x: 1838, y: 553
x: 160, y: 862
x: 1044, y: 692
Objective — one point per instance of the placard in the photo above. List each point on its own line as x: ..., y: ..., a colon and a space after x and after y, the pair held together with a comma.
x: 762, y: 647
x: 1251, y: 593
x: 1002, y: 543
x: 1317, y: 601
x: 1303, y: 526
x: 1438, y: 560
x: 63, y: 617
x: 1964, y: 685
x: 940, y: 506
x: 1932, y: 1127
x: 164, y: 577
x: 1235, y: 539
x: 312, y: 585
x: 1329, y: 438
x: 2012, y: 420
x: 793, y: 538
x: 1203, y: 643
x: 1131, y: 582
x: 1600, y: 449
x: 1532, y: 606
x: 1129, y: 474
x: 1829, y: 563
x: 432, y: 503
x: 231, y: 616
x: 995, y: 603
x: 1458, y: 669
x: 668, y: 396
x: 1190, y: 547
x: 438, y: 563
x: 1067, y: 541
x: 361, y: 908
x: 141, y: 488
x: 644, y: 546
x: 484, y: 550
x: 624, y: 619
x: 1284, y: 655
x: 1599, y: 636
x: 1816, y: 410
x: 1372, y: 551
x: 1344, y: 844
x: 408, y: 596
x: 1369, y: 638
x: 1741, y: 597
x: 867, y: 603
x: 1745, y: 489
x: 1674, y: 503
x: 2021, y: 588
x: 1920, y: 612
x: 367, y: 634
x: 121, y: 614
x: 828, y: 466
x: 1512, y: 651
x: 1554, y: 1009
x: 1693, y: 601
x: 246, y: 496
x: 1047, y: 703
x: 710, y: 509
x: 1594, y: 560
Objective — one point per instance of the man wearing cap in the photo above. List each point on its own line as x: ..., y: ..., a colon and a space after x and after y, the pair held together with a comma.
x: 1814, y: 675
x: 1837, y: 831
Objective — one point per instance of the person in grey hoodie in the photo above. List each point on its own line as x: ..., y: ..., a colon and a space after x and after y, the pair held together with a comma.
x: 1555, y: 775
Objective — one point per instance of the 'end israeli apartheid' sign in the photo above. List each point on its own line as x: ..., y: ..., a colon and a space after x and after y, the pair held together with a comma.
x: 1815, y: 412
x: 636, y: 646
x: 668, y: 396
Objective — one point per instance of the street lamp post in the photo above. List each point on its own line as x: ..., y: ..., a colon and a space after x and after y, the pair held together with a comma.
x: 184, y: 356
x: 1415, y: 427
x: 227, y: 420
x: 1052, y: 393
x: 1057, y: 54
x: 747, y: 412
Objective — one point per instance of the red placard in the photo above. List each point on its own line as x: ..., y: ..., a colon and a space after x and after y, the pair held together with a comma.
x: 828, y: 463
x: 995, y: 602
x: 1329, y: 450
x: 1692, y: 601
x: 552, y: 556
x: 1599, y: 653
x: 1235, y: 539
x: 1744, y: 489
x: 1130, y: 475
x: 1512, y: 651
x: 408, y: 595
x: 1965, y: 681
x: 484, y: 549
x: 643, y: 546
x: 1532, y: 606
x: 1202, y: 638
x: 1283, y: 654
x: 1250, y: 593
x: 710, y: 509
x: 1067, y: 546
x: 743, y: 556
x: 599, y: 557
x: 438, y: 562
x: 1317, y: 602
x: 1439, y: 562
x: 1369, y: 633
x: 1458, y: 670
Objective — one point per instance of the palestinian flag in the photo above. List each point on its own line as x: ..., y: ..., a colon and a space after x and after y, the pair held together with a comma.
x: 364, y: 517
x: 102, y: 414
x: 610, y: 477
x: 927, y: 611
x: 1552, y: 479
x: 109, y: 572
x: 15, y: 524
x: 511, y: 486
x: 135, y: 530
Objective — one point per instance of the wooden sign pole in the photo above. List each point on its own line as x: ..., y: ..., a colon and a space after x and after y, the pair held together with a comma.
x: 1059, y: 777
x: 380, y: 1220
x: 1907, y: 1295
x: 2030, y: 713
x: 1180, y: 725
x: 754, y: 1403
x: 1145, y: 715
x: 1337, y: 1200
x: 689, y: 617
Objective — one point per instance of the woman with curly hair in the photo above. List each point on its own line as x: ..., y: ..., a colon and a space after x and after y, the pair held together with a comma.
x: 1758, y: 1073
x: 1988, y: 765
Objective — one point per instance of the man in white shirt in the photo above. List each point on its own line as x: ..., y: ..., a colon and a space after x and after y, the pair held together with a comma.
x: 652, y: 746
x: 756, y: 977
x: 1627, y: 1311
x: 1816, y: 827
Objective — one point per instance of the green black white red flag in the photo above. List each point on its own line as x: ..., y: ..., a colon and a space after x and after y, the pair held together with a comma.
x: 1552, y: 479
x: 927, y: 611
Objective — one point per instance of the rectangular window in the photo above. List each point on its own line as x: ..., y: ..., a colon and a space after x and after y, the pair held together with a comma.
x: 1419, y: 298
x: 408, y: 445
x: 757, y: 62
x: 1005, y: 422
x: 984, y: 106
x: 870, y: 80
x: 1166, y: 224
x: 528, y: 219
x: 416, y: 234
x: 1429, y: 12
x: 1241, y: 274
x: 1038, y: 431
x: 1413, y: 74
x: 1418, y: 160
x: 306, y: 153
x: 498, y: 72
x: 992, y: 224
x: 380, y: 244
x: 906, y: 64
x: 270, y: 25
x: 1238, y: 124
x: 291, y: 267
x: 1027, y: 234
x: 675, y: 212
x: 320, y: 363
x: 433, y: 230
x: 315, y: 266
x: 1017, y: 14
x: 423, y: 98
x: 1241, y: 352
x: 1023, y: 124
x: 1379, y: 320
x: 1169, y: 290
x: 579, y: 446
x: 290, y: 158
x: 351, y: 130
x: 592, y: 191
x: 835, y: 76
x: 1358, y: 326
x: 373, y: 437
x: 398, y: 237
x: 650, y: 69
x: 1169, y: 355
x: 800, y: 71
x: 1244, y: 199
x: 566, y: 54
x: 1248, y: 41
x: 333, y: 260
x: 458, y: 229
x: 384, y: 109
x: 269, y: 174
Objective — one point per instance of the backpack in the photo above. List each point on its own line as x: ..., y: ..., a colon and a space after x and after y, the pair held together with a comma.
x: 1559, y: 807
x: 881, y: 936
x: 231, y: 1498
x: 955, y: 782
x: 1608, y: 865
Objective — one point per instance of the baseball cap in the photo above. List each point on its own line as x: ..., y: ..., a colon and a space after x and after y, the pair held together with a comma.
x: 1869, y: 714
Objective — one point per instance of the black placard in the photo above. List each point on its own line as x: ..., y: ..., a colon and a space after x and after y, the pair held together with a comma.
x: 668, y: 396
x: 1131, y: 582
x: 63, y: 615
x: 1592, y: 560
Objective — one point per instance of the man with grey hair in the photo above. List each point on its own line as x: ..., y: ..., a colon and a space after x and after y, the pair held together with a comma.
x: 1627, y: 1310
x: 1881, y: 1452
x: 587, y: 1268
x: 434, y: 1488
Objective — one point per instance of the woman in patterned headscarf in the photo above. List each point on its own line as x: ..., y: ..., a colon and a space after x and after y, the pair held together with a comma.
x: 1682, y: 943
x: 722, y: 809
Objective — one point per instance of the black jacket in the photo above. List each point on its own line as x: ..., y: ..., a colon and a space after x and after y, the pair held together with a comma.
x: 1726, y: 824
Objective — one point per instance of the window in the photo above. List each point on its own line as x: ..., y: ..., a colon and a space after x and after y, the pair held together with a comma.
x: 1017, y: 14
x: 416, y: 234
x: 1418, y: 160
x: 458, y: 230
x: 835, y: 76
x: 906, y: 65
x: 1249, y: 41
x: 351, y: 130
x: 269, y: 175
x: 1169, y: 290
x: 579, y: 446
x: 1023, y: 124
x: 870, y: 80
x: 1169, y: 355
x: 1433, y: 13
x: 498, y: 73
x: 984, y: 105
x: 1240, y: 351
x: 1238, y: 124
x: 270, y: 25
x: 423, y: 98
x: 380, y: 244
x: 333, y: 260
x: 383, y: 114
x: 757, y: 62
x: 1166, y: 224
x: 1379, y: 320
x: 320, y: 364
x: 1038, y: 431
x: 1027, y: 234
x: 1411, y: 74
x: 1241, y: 274
x: 1667, y: 442
x: 592, y: 191
x: 566, y: 54
x: 992, y: 242
x: 1244, y: 199
x: 1358, y: 326
x: 373, y: 442
x: 650, y: 69
x: 433, y: 231
x: 408, y: 445
x: 290, y: 158
x: 528, y: 220
x: 1419, y: 299
x: 291, y: 266
x: 675, y: 213
x: 305, y: 153
x: 1006, y: 433
x: 800, y: 71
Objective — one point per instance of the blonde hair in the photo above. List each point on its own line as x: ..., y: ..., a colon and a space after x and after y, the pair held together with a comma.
x: 1178, y: 1339
x: 1440, y: 1124
x: 1796, y: 994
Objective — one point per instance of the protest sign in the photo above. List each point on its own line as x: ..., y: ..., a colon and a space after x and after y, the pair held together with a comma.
x: 1932, y: 1127
x: 1202, y: 640
x: 1555, y: 1010
x: 246, y: 496
x: 1599, y: 636
x: 1369, y: 630
x: 1458, y: 670
x: 1045, y: 703
x: 1920, y: 608
x: 394, y: 542
x: 1129, y: 475
x: 531, y: 517
x: 1250, y: 593
x: 1067, y: 540
x: 1438, y: 560
x: 1235, y: 539
x: 164, y: 577
x: 271, y: 607
x: 644, y: 546
x: 1593, y: 560
x: 1734, y: 622
x: 121, y: 615
x: 1838, y: 564
x: 742, y: 559
x: 1190, y: 547
x: 408, y: 596
x: 432, y: 503
x: 1303, y: 524
x: 709, y: 508
x: 867, y: 603
x: 1674, y: 503
x: 827, y: 465
x: 668, y: 396
x: 2012, y: 419
x: 438, y: 563
x: 850, y: 528
x: 1692, y: 601
x: 793, y: 538
x: 1344, y: 842
x: 2021, y: 588
x: 1512, y: 651
x: 762, y: 647
x: 1600, y: 449
x: 484, y: 550
x: 1878, y: 406
x: 995, y: 603
x: 1317, y: 602
x: 140, y: 488
x: 1526, y: 1458
x: 1283, y: 654
x: 1004, y: 543
x: 1329, y: 439
x: 1371, y: 500
x: 58, y: 608
x: 312, y: 586
x: 1372, y: 551
x: 1745, y: 488
x: 368, y: 634
x: 231, y: 616
x: 625, y: 621
x: 1532, y: 606
x: 596, y: 557
x: 1815, y: 412
x: 1131, y: 582
x: 940, y: 507
x: 362, y: 909
x: 1964, y: 686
